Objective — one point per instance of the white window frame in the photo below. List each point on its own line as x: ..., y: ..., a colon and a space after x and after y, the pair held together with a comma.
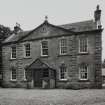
x: 12, y: 74
x: 62, y: 79
x: 80, y: 46
x: 44, y: 48
x: 61, y: 47
x: 25, y: 75
x: 80, y: 72
x: 12, y: 52
x: 25, y: 50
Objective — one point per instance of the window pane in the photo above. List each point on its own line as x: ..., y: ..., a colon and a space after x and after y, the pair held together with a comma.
x: 63, y: 50
x: 14, y: 52
x: 14, y: 73
x: 44, y: 44
x: 83, y: 45
x: 45, y: 51
x: 44, y: 48
x: 45, y: 73
x: 83, y: 71
x: 27, y: 50
x: 63, y: 72
x: 63, y: 46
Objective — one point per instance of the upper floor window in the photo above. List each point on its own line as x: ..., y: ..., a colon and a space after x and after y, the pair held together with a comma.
x: 63, y: 72
x: 83, y: 72
x: 13, y: 52
x: 44, y: 48
x: 83, y: 45
x: 63, y: 46
x: 13, y: 74
x: 27, y: 50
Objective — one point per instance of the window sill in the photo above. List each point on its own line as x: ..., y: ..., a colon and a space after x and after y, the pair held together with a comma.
x: 13, y: 80
x: 63, y: 55
x: 12, y: 58
x: 27, y: 57
x: 85, y: 80
x: 62, y: 79
x: 83, y: 53
x: 25, y: 80
x: 44, y: 56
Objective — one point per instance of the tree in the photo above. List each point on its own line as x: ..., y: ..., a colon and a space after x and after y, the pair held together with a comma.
x: 4, y: 32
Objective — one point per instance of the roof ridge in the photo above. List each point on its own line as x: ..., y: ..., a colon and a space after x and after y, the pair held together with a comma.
x: 76, y: 22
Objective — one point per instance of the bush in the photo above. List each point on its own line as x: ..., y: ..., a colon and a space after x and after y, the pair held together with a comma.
x: 7, y: 85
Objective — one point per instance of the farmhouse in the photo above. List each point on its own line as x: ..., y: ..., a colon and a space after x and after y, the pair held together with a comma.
x: 50, y: 56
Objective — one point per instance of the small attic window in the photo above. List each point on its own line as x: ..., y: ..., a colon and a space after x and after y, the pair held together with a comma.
x: 43, y: 30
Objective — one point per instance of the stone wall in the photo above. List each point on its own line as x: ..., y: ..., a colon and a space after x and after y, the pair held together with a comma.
x: 54, y: 60
x: 98, y: 60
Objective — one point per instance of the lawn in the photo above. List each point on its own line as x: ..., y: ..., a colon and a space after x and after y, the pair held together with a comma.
x: 52, y: 97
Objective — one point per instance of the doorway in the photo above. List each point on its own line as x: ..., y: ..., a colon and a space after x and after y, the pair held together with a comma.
x: 37, y: 75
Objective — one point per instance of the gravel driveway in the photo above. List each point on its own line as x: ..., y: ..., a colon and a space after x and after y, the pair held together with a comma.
x: 52, y: 97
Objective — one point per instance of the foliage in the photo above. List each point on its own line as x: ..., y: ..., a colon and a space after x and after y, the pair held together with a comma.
x: 4, y: 32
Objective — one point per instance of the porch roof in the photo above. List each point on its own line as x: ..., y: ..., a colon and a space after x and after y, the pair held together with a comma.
x: 39, y: 64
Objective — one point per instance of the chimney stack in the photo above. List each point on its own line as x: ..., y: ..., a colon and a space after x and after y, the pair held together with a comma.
x: 17, y: 28
x: 97, y: 16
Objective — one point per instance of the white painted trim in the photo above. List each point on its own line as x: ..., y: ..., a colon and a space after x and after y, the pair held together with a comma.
x: 87, y: 46
x: 41, y: 48
x: 87, y: 74
x: 24, y: 51
x: 11, y: 52
x: 11, y: 76
x: 60, y: 46
x: 60, y: 75
x: 25, y: 75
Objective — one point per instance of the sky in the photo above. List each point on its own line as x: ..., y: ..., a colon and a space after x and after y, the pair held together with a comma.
x: 31, y: 13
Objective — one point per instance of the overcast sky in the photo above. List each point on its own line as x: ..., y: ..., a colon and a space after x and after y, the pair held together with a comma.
x: 30, y: 13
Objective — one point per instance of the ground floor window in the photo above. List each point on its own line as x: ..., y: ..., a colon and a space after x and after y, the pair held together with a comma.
x: 83, y: 72
x: 13, y: 74
x: 45, y: 73
x: 63, y: 72
x: 25, y: 74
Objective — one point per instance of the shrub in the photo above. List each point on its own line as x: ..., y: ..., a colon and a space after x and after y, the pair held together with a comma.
x: 8, y: 85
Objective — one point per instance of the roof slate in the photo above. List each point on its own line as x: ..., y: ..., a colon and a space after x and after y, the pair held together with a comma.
x: 39, y: 64
x: 62, y: 29
x: 15, y: 37
x: 46, y: 30
x: 80, y: 26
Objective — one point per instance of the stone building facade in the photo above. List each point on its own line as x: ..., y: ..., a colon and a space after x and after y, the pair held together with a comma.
x: 49, y: 56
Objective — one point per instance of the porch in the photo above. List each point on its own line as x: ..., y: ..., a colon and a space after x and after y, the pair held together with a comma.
x: 40, y: 75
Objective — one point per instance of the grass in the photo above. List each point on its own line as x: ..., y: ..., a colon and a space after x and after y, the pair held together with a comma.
x: 52, y: 97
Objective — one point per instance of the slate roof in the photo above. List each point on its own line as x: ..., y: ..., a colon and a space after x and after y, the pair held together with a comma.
x: 63, y: 29
x: 80, y: 26
x: 49, y: 31
x: 16, y: 37
x: 39, y: 64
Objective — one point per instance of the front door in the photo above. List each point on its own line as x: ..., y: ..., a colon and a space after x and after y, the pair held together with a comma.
x: 37, y: 78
